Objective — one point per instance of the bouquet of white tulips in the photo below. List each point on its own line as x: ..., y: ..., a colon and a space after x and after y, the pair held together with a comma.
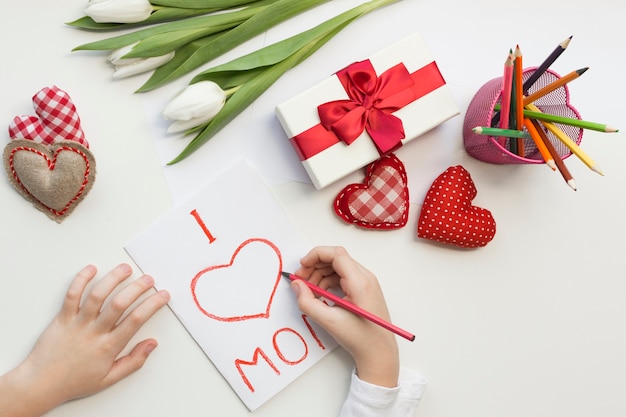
x: 192, y: 35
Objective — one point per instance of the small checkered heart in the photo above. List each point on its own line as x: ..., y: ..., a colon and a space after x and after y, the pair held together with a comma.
x: 382, y: 201
x: 448, y: 216
x: 56, y: 119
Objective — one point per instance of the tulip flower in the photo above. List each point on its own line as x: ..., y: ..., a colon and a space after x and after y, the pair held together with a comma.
x: 195, y: 105
x: 125, y: 67
x: 118, y: 11
x: 166, y: 11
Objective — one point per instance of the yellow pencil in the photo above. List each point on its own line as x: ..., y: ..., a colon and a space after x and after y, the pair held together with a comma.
x: 569, y: 143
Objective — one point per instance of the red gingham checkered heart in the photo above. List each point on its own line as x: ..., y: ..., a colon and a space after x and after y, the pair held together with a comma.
x: 382, y: 201
x: 448, y: 216
x: 58, y: 119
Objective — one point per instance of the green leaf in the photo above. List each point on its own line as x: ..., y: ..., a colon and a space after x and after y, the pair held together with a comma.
x: 201, y: 4
x: 230, y: 79
x: 163, y: 43
x: 278, y: 51
x: 87, y: 22
x: 160, y: 15
x: 257, y: 24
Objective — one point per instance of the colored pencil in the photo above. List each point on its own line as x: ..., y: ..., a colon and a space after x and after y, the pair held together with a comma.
x: 512, y: 112
x: 569, y: 121
x: 554, y: 85
x: 352, y: 307
x: 560, y: 48
x: 497, y: 132
x: 519, y: 106
x: 496, y: 119
x: 507, y: 79
x: 567, y: 176
x: 569, y: 143
x: 519, y: 97
x: 541, y: 147
x: 566, y: 121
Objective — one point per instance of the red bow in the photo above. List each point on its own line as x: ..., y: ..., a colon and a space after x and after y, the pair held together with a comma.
x: 372, y: 100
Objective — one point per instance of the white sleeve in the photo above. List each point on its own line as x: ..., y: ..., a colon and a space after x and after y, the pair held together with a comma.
x: 367, y: 400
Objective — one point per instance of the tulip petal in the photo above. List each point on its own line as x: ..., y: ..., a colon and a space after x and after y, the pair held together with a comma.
x: 183, y: 125
x: 197, y: 100
x: 118, y: 11
x: 140, y: 66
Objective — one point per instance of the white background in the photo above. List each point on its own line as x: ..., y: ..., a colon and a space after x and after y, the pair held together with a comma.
x: 531, y: 325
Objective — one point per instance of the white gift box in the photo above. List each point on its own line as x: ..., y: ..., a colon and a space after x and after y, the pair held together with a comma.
x: 300, y: 113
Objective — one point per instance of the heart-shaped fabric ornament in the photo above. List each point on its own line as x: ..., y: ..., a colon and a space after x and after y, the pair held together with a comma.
x: 57, y: 119
x: 448, y: 216
x: 382, y: 201
x: 249, y: 280
x: 55, y: 178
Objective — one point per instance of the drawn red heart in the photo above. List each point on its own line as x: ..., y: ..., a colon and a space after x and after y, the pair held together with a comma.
x: 54, y: 178
x: 57, y: 119
x: 448, y: 216
x: 242, y: 289
x: 382, y: 201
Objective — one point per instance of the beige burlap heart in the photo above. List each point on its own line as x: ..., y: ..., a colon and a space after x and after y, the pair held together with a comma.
x: 55, y: 178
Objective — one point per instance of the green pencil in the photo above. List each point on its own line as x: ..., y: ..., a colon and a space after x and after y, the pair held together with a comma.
x: 566, y: 121
x: 496, y: 131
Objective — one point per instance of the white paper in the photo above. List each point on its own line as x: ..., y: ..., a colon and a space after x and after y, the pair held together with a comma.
x: 220, y: 255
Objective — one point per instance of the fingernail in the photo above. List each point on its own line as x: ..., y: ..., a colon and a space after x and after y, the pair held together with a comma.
x: 125, y: 268
x: 295, y: 287
x: 89, y: 269
x: 148, y: 280
x: 165, y: 294
x: 150, y: 347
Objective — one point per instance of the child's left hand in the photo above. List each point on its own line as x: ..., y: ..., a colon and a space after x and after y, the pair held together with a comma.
x: 78, y: 353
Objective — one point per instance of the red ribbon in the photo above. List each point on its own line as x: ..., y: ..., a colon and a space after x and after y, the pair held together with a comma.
x: 372, y: 100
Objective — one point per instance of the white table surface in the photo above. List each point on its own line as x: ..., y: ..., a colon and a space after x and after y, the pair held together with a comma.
x: 531, y: 325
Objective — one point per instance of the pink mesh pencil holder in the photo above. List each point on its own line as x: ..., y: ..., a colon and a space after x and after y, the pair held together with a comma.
x: 481, y: 113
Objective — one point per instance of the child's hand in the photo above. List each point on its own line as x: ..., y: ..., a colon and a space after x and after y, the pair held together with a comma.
x: 373, y: 348
x: 78, y: 353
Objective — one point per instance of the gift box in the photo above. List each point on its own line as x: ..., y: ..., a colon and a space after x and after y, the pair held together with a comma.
x: 366, y: 110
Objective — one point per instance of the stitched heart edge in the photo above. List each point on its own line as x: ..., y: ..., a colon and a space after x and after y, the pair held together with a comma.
x: 50, y: 152
x: 341, y: 206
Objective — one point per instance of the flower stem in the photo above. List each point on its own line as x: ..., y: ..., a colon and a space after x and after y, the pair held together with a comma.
x: 232, y: 91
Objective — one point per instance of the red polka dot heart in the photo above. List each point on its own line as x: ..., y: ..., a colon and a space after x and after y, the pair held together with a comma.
x: 448, y: 216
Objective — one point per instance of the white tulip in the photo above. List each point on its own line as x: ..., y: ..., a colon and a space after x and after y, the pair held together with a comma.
x: 118, y: 11
x: 125, y: 67
x: 195, y: 105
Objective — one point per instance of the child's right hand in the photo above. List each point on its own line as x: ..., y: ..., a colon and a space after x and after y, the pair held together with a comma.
x: 373, y: 348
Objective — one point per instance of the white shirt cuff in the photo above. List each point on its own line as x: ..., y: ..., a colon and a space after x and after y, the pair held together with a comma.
x: 368, y: 400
